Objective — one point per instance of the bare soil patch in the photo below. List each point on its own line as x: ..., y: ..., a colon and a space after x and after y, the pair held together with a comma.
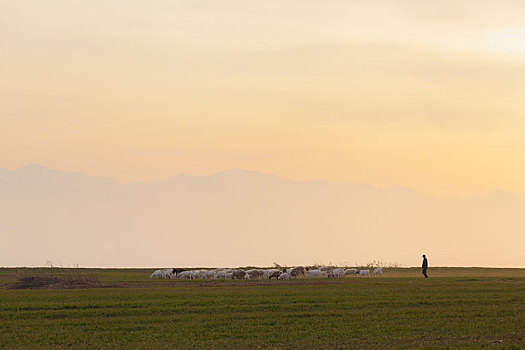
x: 237, y: 283
x: 58, y: 282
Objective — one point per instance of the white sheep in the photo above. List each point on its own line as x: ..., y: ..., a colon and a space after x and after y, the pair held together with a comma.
x: 313, y: 273
x: 208, y: 274
x: 364, y: 273
x: 338, y: 273
x: 349, y: 272
x: 284, y: 276
x: 185, y: 275
x: 166, y: 273
x: 156, y: 274
x: 378, y: 271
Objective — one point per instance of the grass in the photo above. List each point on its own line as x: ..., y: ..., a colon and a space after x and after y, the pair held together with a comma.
x: 456, y: 308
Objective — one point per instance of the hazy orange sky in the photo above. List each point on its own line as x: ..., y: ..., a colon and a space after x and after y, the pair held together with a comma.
x: 424, y: 94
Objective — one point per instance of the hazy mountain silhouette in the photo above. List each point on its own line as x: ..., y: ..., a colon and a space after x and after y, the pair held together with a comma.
x: 239, y: 217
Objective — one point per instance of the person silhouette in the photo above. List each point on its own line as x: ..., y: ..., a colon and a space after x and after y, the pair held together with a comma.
x: 424, y: 266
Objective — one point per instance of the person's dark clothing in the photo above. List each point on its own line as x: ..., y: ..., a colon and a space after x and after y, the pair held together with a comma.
x: 425, y: 267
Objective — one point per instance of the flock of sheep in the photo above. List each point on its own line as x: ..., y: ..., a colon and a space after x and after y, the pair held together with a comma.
x: 284, y: 274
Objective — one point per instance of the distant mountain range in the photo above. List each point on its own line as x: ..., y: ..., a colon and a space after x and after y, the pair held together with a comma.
x: 239, y: 217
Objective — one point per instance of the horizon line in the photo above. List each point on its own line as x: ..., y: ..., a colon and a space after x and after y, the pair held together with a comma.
x: 245, y: 266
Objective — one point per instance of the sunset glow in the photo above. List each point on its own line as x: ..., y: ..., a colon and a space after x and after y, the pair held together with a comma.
x: 384, y: 93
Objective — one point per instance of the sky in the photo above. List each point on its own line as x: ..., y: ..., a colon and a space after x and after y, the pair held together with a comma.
x: 422, y: 94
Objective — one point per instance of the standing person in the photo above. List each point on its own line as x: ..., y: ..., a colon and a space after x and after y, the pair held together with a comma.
x: 425, y: 266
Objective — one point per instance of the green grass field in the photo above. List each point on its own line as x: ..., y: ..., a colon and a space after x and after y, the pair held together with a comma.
x: 455, y: 308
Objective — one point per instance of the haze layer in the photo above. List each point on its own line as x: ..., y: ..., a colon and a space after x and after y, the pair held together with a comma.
x: 239, y: 218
